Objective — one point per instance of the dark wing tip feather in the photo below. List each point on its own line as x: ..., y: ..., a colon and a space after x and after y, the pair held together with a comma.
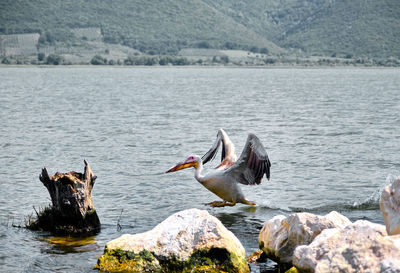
x: 210, y: 155
x: 223, y: 151
x: 258, y: 161
x: 252, y: 164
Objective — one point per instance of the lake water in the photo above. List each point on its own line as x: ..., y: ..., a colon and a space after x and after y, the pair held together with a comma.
x: 333, y: 137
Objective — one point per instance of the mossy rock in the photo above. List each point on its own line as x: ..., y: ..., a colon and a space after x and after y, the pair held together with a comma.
x: 212, y: 260
x: 187, y: 241
x: 126, y: 261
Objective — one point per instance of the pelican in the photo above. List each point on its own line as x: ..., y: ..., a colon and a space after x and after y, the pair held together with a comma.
x: 223, y: 181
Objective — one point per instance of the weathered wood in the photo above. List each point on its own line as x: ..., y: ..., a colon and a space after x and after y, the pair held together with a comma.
x: 72, y: 210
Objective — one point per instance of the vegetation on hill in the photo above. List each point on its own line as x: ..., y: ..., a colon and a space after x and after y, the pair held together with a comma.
x: 319, y: 27
x: 357, y: 27
x: 164, y: 26
x: 334, y: 28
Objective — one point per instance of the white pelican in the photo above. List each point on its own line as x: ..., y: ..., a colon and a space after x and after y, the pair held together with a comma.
x: 223, y: 181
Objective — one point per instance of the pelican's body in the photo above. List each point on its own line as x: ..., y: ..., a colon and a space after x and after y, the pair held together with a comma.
x: 223, y: 181
x: 219, y: 183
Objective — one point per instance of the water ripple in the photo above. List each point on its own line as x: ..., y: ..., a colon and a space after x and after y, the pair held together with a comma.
x: 330, y: 133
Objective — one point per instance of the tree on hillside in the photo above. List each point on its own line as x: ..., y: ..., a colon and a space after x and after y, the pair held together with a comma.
x: 230, y: 45
x: 224, y: 59
x: 41, y: 56
x: 254, y: 49
x: 54, y: 59
x: 264, y: 50
x: 5, y: 60
x: 203, y: 45
x: 48, y: 37
x: 98, y: 60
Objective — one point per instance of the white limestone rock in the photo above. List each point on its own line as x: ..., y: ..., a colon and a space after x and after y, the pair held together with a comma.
x: 177, y: 244
x: 360, y: 247
x: 281, y: 235
x: 390, y: 207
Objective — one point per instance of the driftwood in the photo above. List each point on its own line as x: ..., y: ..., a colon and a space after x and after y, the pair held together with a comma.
x: 72, y: 210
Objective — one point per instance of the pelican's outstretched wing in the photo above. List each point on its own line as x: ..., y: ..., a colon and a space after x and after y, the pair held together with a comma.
x: 253, y: 163
x: 228, y: 156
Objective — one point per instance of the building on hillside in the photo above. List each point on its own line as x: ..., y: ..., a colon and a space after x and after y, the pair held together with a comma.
x: 19, y: 44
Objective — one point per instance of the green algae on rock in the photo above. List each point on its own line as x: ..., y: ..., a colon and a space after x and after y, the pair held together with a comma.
x: 292, y: 270
x: 188, y: 241
x: 118, y: 260
x: 213, y: 260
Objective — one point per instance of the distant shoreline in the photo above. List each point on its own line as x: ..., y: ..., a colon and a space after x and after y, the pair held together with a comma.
x: 198, y: 58
x: 201, y: 66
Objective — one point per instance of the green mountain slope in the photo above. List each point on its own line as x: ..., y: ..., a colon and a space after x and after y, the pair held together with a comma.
x: 365, y: 28
x: 357, y: 27
x: 341, y: 27
x: 162, y: 25
x: 269, y: 18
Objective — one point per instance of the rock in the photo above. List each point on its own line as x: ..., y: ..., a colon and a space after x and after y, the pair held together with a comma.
x: 281, y: 235
x: 359, y: 247
x: 390, y: 207
x: 256, y: 257
x: 390, y: 266
x: 187, y: 241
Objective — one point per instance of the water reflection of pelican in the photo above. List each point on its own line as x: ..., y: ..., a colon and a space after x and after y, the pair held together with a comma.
x: 223, y: 181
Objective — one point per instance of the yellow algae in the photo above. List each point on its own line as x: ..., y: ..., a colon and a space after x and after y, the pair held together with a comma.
x: 250, y: 209
x: 212, y: 260
x: 71, y: 241
x: 119, y: 260
x: 292, y: 270
x: 285, y: 224
x: 205, y: 269
x: 254, y: 256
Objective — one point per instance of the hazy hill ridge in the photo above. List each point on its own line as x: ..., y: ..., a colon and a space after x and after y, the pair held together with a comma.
x: 323, y: 27
x: 327, y: 27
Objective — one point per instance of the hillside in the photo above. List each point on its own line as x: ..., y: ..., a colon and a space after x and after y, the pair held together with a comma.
x: 337, y: 28
x: 163, y: 26
x: 269, y: 18
x: 364, y: 28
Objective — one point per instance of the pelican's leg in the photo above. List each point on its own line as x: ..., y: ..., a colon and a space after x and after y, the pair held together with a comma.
x: 218, y: 204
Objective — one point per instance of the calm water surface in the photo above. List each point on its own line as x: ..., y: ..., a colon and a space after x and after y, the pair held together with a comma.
x: 332, y: 135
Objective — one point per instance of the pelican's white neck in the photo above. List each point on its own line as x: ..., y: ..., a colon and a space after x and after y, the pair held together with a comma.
x: 198, y: 170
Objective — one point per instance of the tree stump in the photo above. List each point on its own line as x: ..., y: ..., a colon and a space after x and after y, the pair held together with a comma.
x: 72, y: 211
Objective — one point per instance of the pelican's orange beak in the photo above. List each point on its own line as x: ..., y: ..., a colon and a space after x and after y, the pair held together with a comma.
x: 183, y: 165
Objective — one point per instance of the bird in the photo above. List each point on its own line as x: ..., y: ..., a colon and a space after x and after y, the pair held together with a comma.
x: 223, y: 181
